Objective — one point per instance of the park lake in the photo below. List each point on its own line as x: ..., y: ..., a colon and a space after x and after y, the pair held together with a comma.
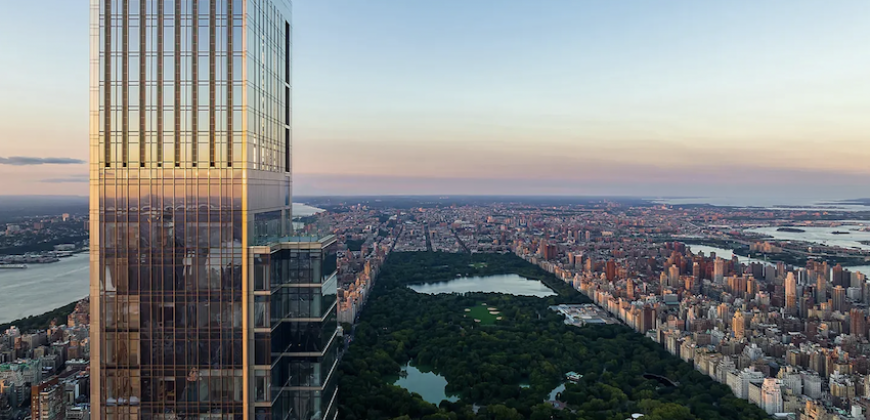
x: 511, y: 284
x: 429, y: 385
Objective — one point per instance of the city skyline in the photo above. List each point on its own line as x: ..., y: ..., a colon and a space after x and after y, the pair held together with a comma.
x: 393, y: 98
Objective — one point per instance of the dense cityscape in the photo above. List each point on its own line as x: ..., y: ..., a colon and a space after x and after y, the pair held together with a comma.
x: 495, y: 211
x: 788, y: 337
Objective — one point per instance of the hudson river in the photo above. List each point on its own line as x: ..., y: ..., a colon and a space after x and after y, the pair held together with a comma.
x: 42, y: 287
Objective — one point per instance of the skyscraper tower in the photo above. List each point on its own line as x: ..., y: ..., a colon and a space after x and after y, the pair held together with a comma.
x: 857, y: 322
x: 837, y: 278
x: 674, y: 276
x: 738, y: 325
x: 791, y: 304
x: 205, y: 301
x: 719, y: 271
x: 723, y: 312
x: 839, y: 299
x: 821, y: 290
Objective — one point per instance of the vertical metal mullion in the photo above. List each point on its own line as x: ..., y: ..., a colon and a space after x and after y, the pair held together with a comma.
x: 160, y: 82
x: 107, y: 83
x: 125, y: 80
x: 177, y: 105
x: 287, y: 97
x: 194, y: 71
x: 143, y: 33
x: 229, y: 84
x: 212, y: 30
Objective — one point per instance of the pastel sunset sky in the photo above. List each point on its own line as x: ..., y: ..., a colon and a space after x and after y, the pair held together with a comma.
x: 630, y: 97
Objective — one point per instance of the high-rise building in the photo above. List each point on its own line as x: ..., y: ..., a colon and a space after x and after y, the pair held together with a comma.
x: 821, y: 289
x: 738, y: 325
x: 771, y: 396
x: 839, y: 298
x: 791, y: 304
x: 719, y: 271
x: 751, y: 287
x: 723, y: 312
x: 857, y: 322
x: 547, y: 251
x: 837, y: 276
x: 674, y: 276
x: 610, y: 270
x: 205, y: 301
x: 46, y: 401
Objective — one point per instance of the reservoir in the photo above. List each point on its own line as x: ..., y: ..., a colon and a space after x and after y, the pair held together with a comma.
x: 42, y: 287
x: 429, y: 385
x: 511, y: 284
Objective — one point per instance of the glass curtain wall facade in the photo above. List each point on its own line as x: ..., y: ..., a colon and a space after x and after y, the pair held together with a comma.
x: 190, y: 166
x: 296, y: 338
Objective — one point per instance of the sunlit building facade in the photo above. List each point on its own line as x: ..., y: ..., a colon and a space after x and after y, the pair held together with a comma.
x: 206, y: 300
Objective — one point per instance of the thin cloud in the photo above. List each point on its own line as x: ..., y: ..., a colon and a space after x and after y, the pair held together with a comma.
x: 65, y: 180
x: 29, y: 160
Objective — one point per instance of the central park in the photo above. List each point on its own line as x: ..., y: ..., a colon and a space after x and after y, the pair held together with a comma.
x: 513, y: 367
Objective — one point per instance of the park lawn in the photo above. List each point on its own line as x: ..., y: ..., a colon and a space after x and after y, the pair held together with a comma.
x: 482, y: 313
x: 478, y: 265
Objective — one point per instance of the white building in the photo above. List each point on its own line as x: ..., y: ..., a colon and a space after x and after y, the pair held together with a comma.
x: 726, y: 366
x: 791, y: 379
x: 812, y: 385
x: 739, y: 381
x: 771, y: 396
x: 753, y: 352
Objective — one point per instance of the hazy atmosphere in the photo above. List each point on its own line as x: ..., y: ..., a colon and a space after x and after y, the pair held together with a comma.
x: 435, y: 210
x: 504, y: 97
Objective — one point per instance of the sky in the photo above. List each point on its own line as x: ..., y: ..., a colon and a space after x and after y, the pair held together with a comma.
x: 559, y: 97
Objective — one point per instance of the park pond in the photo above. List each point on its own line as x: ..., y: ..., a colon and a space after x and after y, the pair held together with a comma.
x: 554, y: 394
x: 432, y: 387
x: 504, y: 283
x: 428, y: 384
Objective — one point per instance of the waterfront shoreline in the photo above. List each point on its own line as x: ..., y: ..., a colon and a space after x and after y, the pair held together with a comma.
x: 43, y: 287
x: 21, y: 323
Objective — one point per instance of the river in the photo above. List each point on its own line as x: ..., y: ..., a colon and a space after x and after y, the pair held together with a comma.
x: 43, y: 287
x: 303, y: 210
x: 724, y: 253
x: 769, y: 203
x: 727, y: 254
x: 822, y: 235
